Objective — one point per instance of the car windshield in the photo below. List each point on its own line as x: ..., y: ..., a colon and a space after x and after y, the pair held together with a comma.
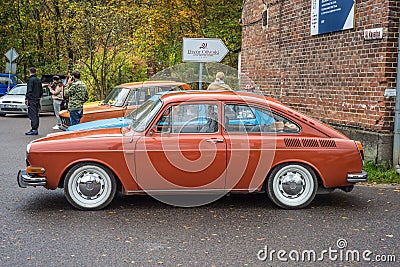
x: 117, y: 97
x: 142, y: 116
x: 18, y: 90
x: 140, y: 95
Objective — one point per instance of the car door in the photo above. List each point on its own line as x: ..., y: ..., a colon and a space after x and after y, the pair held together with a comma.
x: 184, y: 150
x: 46, y: 102
x: 250, y: 134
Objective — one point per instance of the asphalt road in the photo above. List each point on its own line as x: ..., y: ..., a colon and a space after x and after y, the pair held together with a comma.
x: 39, y: 227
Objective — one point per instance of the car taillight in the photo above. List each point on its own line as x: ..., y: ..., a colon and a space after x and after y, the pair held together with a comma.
x: 360, y: 149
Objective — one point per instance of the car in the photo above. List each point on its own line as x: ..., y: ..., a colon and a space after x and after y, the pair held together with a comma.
x: 48, y: 78
x: 106, y: 123
x: 185, y: 144
x: 14, y: 101
x: 123, y: 99
x: 99, y: 124
x: 7, y: 82
x: 114, y: 122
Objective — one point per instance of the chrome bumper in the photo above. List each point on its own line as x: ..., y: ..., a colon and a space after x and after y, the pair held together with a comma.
x: 357, y: 177
x: 25, y: 180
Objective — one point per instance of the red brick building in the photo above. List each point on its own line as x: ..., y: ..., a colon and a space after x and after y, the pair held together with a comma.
x: 341, y: 77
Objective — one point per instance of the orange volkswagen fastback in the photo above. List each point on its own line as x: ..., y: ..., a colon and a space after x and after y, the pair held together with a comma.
x: 192, y: 143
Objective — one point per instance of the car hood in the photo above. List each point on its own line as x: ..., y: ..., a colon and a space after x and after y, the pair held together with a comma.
x: 98, y: 133
x: 99, y: 124
x: 99, y: 108
x: 13, y: 98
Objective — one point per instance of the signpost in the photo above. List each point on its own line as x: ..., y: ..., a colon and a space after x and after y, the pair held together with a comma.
x: 203, y: 50
x: 12, y: 54
x: 11, y: 67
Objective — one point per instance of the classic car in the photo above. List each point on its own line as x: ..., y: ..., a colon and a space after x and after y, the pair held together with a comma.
x: 106, y: 123
x: 123, y: 99
x: 191, y: 143
x: 14, y: 101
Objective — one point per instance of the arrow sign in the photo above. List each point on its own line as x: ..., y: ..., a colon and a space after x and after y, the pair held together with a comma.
x: 203, y: 50
x: 11, y: 54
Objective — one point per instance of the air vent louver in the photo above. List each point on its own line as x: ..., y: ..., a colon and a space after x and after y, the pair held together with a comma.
x: 292, y: 142
x: 327, y: 143
x: 310, y: 142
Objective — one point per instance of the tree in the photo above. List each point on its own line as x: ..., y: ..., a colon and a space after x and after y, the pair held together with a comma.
x: 112, y: 41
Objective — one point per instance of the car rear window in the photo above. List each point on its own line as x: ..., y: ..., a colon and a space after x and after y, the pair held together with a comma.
x: 244, y: 118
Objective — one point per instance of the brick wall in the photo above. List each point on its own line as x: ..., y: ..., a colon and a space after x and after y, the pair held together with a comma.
x: 338, y: 77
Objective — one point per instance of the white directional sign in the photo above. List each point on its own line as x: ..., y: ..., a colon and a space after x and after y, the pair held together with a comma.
x: 12, y: 54
x: 11, y: 67
x: 203, y: 50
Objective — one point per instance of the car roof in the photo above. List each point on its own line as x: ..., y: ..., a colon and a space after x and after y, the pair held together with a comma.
x: 254, y: 98
x: 176, y: 96
x: 154, y: 83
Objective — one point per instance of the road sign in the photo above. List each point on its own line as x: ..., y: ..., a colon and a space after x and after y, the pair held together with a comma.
x: 203, y: 50
x: 11, y: 67
x: 12, y: 54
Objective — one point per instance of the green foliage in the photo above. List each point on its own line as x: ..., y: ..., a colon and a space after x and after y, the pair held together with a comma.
x: 112, y: 41
x: 380, y: 173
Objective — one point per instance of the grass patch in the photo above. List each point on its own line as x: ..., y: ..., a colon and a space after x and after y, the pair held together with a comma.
x: 380, y: 173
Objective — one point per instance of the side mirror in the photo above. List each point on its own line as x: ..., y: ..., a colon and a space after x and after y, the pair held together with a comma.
x: 152, y: 131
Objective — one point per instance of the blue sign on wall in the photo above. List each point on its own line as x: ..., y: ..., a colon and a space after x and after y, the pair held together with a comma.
x: 332, y: 15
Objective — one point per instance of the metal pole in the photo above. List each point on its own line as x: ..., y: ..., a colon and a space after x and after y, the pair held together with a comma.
x: 10, y: 70
x: 200, y: 75
x: 396, y: 138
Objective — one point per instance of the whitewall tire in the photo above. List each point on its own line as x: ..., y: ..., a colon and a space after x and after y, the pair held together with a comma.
x: 89, y: 186
x: 292, y: 185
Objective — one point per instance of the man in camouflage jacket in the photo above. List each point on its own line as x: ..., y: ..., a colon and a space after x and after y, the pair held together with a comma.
x: 77, y: 94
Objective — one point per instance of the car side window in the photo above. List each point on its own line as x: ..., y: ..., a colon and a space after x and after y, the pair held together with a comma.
x: 45, y: 91
x: 244, y: 118
x: 136, y: 97
x: 189, y: 118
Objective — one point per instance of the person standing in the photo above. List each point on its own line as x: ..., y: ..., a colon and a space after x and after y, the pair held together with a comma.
x: 77, y: 94
x: 57, y: 91
x: 32, y: 99
x: 219, y: 83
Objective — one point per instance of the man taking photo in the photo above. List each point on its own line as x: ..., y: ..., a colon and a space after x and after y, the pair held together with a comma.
x: 77, y: 94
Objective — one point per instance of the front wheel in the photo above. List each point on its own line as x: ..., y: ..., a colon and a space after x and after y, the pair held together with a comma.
x: 292, y: 186
x: 89, y: 186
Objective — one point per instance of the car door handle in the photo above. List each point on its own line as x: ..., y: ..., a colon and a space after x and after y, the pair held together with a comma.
x: 215, y: 140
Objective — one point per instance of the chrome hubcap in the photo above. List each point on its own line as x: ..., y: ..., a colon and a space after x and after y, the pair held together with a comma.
x: 291, y: 185
x: 90, y: 185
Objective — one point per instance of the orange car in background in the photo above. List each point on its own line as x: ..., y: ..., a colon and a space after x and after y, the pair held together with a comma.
x: 122, y: 99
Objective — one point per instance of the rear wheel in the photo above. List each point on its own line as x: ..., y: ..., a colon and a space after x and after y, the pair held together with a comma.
x: 89, y: 186
x: 292, y: 186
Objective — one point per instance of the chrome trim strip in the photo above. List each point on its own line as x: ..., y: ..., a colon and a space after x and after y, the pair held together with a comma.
x: 200, y: 191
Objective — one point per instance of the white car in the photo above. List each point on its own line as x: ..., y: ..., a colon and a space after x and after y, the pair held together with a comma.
x: 14, y: 101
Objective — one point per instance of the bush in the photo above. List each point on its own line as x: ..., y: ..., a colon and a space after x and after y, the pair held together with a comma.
x: 380, y: 173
